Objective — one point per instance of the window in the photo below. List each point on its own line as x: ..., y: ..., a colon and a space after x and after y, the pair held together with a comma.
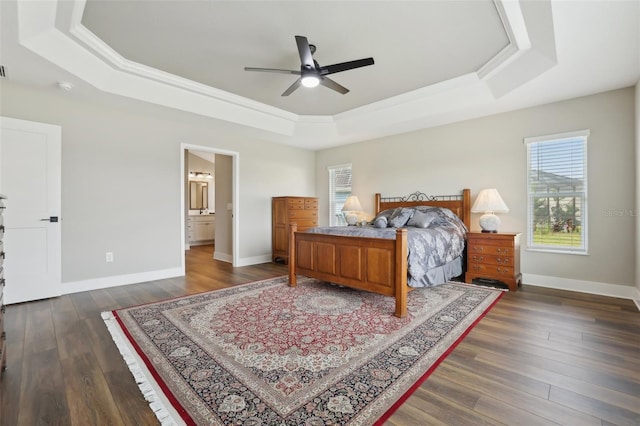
x: 557, y: 192
x: 339, y: 190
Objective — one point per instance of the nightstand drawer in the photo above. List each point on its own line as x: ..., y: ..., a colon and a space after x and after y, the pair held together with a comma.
x: 504, y: 260
x: 491, y: 271
x: 490, y: 249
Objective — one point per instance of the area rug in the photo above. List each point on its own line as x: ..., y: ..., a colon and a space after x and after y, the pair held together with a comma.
x: 264, y: 353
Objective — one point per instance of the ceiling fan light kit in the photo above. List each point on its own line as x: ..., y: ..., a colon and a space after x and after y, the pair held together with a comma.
x: 311, y: 73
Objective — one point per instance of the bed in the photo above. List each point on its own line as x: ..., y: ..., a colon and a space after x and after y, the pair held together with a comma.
x: 378, y: 265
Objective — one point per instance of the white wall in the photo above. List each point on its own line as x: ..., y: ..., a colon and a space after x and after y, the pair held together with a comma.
x: 121, y: 181
x: 489, y: 152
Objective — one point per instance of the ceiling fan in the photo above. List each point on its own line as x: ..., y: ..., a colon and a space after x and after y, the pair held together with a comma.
x: 311, y: 74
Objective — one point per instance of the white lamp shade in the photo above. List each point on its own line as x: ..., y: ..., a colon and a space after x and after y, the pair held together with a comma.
x: 352, y: 204
x: 489, y: 201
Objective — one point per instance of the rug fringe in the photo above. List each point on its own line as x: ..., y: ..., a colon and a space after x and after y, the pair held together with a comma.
x: 148, y: 391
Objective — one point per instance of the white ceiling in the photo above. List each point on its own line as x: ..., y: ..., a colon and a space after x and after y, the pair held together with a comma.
x: 436, y: 62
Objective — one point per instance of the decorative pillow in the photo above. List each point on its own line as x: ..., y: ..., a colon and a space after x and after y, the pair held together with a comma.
x: 385, y: 213
x: 421, y: 219
x: 380, y: 222
x: 400, y: 217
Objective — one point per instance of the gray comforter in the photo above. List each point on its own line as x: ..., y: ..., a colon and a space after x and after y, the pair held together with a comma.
x: 438, y: 244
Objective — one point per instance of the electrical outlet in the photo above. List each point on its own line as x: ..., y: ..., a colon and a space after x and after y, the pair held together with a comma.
x: 109, y: 257
x: 229, y: 206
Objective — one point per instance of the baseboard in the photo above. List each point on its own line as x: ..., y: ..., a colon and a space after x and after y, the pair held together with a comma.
x: 223, y: 257
x: 254, y: 260
x: 591, y: 287
x: 636, y: 298
x: 118, y: 280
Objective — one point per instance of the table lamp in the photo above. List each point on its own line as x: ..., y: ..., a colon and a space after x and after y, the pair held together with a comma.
x: 351, y: 209
x: 489, y: 202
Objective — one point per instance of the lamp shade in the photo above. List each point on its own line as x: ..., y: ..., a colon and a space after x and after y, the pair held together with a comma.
x: 489, y: 201
x: 352, y: 204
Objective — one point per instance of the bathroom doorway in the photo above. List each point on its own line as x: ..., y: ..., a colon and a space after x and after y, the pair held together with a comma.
x: 209, y: 200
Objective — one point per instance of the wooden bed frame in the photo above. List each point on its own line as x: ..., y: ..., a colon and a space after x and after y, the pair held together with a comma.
x: 371, y: 264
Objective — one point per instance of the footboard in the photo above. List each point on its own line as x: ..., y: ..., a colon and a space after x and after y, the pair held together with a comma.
x: 371, y: 264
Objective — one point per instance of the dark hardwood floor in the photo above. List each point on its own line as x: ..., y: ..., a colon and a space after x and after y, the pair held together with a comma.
x: 540, y: 357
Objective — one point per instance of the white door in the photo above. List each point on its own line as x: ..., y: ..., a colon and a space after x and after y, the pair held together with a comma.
x: 30, y: 164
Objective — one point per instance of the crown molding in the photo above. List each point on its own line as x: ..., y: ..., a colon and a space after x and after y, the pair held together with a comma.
x: 77, y: 50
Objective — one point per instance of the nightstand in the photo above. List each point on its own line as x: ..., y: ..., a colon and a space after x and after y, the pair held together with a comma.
x: 494, y: 257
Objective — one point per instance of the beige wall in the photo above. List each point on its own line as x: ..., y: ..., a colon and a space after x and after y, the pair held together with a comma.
x: 489, y: 152
x: 121, y: 179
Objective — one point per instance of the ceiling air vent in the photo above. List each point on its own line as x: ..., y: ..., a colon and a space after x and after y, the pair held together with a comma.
x: 2, y: 73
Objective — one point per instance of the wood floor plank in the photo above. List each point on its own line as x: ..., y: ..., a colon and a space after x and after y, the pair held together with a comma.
x: 39, y: 333
x: 540, y: 407
x: 43, y: 399
x: 595, y: 407
x: 87, y: 387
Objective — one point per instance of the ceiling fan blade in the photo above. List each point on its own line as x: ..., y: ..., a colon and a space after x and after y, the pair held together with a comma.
x: 293, y: 87
x: 344, y: 66
x: 327, y: 82
x: 306, y: 58
x: 272, y: 70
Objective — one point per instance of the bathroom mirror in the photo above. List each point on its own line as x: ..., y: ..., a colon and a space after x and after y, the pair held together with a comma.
x: 198, y: 195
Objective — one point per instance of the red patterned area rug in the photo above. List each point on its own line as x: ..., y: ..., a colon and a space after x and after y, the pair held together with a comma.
x: 264, y: 353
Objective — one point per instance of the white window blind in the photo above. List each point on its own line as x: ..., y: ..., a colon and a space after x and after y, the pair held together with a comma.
x: 557, y: 192
x: 339, y: 190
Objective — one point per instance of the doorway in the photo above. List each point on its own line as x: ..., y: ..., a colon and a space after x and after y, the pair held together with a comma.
x: 223, y: 200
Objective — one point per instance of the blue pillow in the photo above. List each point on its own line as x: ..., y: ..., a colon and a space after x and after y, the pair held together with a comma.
x: 400, y: 217
x: 421, y: 219
x: 380, y: 222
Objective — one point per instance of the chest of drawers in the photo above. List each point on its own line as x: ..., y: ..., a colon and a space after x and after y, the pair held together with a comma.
x: 494, y: 257
x: 286, y: 210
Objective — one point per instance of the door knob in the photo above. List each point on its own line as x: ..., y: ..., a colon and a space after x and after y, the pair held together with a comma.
x: 50, y: 219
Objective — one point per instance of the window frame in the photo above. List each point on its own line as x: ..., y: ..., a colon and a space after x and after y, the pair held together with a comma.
x: 583, y: 195
x: 335, y: 219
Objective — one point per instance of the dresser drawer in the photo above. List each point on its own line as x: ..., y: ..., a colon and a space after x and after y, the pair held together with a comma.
x: 301, y: 214
x: 303, y: 225
x: 310, y: 204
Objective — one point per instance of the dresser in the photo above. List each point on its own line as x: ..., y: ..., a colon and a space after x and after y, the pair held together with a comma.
x: 3, y: 335
x: 494, y: 256
x: 286, y: 210
x: 201, y: 229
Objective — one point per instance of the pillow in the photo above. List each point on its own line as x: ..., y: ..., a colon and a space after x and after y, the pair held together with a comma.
x: 380, y: 222
x: 385, y: 213
x: 421, y: 219
x: 400, y: 217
